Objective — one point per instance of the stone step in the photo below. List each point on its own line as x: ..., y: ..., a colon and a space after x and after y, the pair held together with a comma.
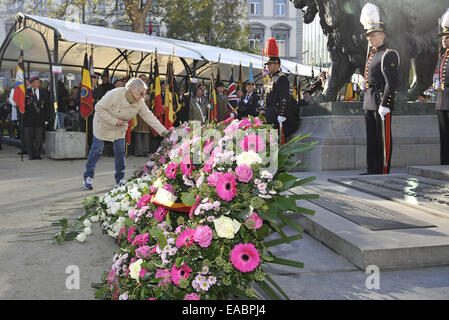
x: 433, y: 172
x: 407, y: 247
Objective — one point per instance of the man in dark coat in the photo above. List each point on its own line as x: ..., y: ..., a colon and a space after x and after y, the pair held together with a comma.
x: 249, y: 103
x: 36, y: 116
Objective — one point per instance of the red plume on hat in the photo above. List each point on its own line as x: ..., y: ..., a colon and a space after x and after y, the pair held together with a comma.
x: 271, y: 48
x: 272, y: 51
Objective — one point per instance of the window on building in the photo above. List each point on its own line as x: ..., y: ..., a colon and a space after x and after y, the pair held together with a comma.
x: 255, y: 40
x: 281, y: 40
x: 254, y: 7
x: 279, y: 7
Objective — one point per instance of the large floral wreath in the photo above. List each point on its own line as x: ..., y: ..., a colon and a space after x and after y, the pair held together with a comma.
x: 192, y: 223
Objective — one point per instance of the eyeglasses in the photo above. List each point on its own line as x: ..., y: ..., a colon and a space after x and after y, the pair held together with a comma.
x: 142, y: 94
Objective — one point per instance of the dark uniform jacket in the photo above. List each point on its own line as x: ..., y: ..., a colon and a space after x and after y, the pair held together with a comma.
x: 102, y: 89
x: 443, y: 88
x: 37, y: 111
x: 183, y: 113
x: 277, y: 98
x: 248, y: 107
x: 381, y: 78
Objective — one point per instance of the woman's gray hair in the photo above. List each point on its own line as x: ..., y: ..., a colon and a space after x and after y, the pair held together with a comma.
x: 135, y: 83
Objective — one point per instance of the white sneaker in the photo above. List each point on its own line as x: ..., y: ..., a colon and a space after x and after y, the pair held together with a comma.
x: 120, y: 183
x: 87, y: 183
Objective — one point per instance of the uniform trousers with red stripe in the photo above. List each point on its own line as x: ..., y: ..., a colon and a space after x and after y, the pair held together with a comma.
x: 443, y: 122
x: 375, y: 145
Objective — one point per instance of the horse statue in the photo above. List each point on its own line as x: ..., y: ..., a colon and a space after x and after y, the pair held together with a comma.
x: 411, y: 28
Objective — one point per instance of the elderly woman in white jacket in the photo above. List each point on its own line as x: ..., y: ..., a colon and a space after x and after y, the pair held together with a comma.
x: 110, y: 123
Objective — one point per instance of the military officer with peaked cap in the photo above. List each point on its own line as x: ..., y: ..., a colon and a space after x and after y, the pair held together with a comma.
x: 381, y: 80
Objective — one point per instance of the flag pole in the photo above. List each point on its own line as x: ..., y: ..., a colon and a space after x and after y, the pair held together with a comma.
x: 87, y: 122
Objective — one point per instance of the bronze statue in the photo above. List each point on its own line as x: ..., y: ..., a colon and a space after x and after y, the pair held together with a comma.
x: 411, y: 28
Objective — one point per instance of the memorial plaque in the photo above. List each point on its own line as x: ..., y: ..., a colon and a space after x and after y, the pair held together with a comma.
x: 362, y: 211
x: 423, y: 193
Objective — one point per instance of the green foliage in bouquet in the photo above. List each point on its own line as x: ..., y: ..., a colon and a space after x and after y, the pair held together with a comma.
x: 194, y: 230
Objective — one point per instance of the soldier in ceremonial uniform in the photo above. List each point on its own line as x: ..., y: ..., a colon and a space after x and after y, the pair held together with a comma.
x: 381, y: 80
x: 442, y: 85
x: 277, y: 92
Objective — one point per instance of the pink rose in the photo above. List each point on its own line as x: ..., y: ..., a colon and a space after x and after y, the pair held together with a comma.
x: 203, y: 236
x: 258, y: 222
x: 213, y: 178
x: 244, y: 173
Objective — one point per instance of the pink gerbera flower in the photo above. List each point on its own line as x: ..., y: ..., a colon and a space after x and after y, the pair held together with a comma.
x: 143, y: 201
x: 192, y: 296
x: 252, y: 142
x: 171, y: 170
x: 160, y: 214
x: 185, y: 238
x: 178, y: 273
x: 226, y: 186
x: 245, y: 257
x: 186, y: 166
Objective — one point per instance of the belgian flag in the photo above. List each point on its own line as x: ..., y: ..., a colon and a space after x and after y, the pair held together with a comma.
x: 87, y: 101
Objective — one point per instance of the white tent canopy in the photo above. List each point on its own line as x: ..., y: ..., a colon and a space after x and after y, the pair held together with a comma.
x: 39, y: 37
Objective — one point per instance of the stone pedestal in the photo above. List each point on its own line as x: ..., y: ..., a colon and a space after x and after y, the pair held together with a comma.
x: 339, y: 128
x: 62, y: 144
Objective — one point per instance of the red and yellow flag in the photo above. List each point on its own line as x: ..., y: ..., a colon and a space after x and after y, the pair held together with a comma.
x: 87, y: 101
x: 169, y: 90
x: 213, y: 98
x: 19, y: 85
x: 131, y: 125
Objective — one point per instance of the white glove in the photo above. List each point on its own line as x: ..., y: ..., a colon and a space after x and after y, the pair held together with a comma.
x: 281, y: 119
x: 383, y: 111
x: 262, y: 103
x: 437, y: 85
x: 209, y: 106
x: 232, y: 115
x: 362, y: 85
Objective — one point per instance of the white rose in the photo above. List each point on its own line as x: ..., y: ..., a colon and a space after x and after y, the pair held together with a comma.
x: 86, y: 223
x: 81, y: 237
x: 94, y: 219
x: 134, y: 269
x: 248, y: 158
x: 87, y: 231
x: 226, y: 227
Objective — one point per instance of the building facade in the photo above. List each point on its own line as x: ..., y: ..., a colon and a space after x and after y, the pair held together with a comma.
x: 277, y: 19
